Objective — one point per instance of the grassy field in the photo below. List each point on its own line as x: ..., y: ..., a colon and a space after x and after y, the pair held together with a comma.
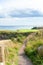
x: 26, y: 30
x: 20, y: 31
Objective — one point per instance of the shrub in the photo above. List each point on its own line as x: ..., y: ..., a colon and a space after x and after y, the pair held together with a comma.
x: 31, y: 51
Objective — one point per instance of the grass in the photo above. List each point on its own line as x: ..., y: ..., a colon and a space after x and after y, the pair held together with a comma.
x: 20, y: 31
x: 27, y: 30
x: 13, y: 46
x: 31, y: 49
x: 11, y: 53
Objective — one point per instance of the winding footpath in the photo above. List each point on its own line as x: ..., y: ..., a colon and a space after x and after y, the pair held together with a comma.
x: 23, y: 59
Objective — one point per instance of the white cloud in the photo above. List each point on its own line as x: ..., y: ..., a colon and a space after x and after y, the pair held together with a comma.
x: 7, y: 5
x: 22, y: 4
x: 25, y: 6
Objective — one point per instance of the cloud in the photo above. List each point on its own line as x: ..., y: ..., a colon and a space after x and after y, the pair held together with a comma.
x: 25, y: 13
x: 21, y: 8
x: 20, y: 13
x: 22, y: 4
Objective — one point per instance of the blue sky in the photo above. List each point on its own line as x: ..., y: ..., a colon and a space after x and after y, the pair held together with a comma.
x: 17, y: 12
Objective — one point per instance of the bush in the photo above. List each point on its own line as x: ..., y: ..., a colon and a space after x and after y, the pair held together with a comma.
x: 31, y: 51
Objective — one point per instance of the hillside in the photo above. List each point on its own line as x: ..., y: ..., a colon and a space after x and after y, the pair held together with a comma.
x: 34, y: 48
x: 15, y: 41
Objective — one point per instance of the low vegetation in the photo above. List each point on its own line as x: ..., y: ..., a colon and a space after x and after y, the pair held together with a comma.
x: 26, y: 30
x: 11, y: 53
x: 13, y: 46
x: 32, y: 46
x: 16, y: 39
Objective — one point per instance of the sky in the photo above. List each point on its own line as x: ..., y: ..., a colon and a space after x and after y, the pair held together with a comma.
x: 21, y: 12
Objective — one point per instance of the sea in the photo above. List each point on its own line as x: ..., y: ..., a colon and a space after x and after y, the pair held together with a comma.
x: 15, y: 27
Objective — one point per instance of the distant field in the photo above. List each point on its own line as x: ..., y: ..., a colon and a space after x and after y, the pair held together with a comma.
x: 27, y: 30
x: 19, y: 31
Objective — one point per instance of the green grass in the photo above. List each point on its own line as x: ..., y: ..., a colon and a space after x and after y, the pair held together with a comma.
x: 26, y: 30
x: 20, y: 31
x: 17, y: 37
x: 11, y: 53
x: 31, y: 49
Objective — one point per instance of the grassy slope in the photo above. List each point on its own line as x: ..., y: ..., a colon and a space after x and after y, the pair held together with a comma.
x: 16, y: 40
x: 11, y: 52
x: 32, y: 46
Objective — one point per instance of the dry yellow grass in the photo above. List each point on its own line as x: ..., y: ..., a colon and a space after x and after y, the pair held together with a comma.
x: 10, y: 52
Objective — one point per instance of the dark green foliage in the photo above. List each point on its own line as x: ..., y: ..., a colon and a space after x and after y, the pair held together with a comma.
x: 8, y: 35
x: 34, y: 28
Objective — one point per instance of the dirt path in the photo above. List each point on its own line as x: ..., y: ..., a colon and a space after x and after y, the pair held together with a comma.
x: 23, y: 59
